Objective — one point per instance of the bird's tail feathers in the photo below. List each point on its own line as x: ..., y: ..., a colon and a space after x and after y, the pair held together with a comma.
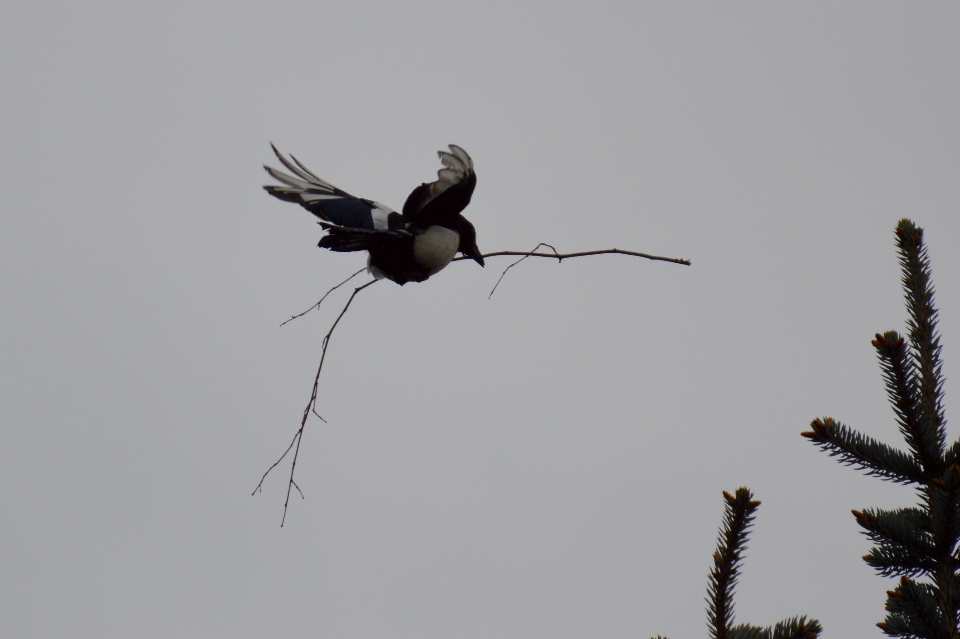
x: 303, y: 187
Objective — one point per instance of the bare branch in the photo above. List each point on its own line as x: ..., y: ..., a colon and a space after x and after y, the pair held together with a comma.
x: 317, y: 305
x: 562, y: 256
x: 550, y: 246
x: 311, y: 405
x: 298, y: 489
x: 274, y: 465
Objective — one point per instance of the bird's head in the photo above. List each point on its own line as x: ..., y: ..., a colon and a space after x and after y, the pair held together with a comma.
x: 468, y: 241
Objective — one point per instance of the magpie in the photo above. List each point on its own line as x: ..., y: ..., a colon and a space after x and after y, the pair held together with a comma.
x: 404, y: 247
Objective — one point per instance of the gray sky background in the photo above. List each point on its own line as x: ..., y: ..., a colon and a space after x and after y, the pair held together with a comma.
x: 547, y: 463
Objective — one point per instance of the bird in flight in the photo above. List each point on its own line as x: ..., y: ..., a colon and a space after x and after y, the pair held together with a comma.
x: 403, y: 247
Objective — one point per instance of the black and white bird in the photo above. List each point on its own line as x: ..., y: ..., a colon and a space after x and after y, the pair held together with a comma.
x: 404, y: 247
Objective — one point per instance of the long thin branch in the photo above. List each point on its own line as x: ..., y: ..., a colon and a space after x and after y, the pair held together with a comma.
x: 311, y: 405
x: 562, y: 256
x: 332, y: 289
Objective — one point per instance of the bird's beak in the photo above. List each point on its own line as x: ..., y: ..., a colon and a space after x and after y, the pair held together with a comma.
x: 475, y: 255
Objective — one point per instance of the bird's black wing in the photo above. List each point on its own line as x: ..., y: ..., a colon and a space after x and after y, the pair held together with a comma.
x: 448, y: 195
x: 344, y: 239
x: 326, y: 201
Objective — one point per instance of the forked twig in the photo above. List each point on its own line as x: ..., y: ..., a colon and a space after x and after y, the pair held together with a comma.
x: 311, y: 405
x: 332, y: 289
x: 550, y: 246
x: 562, y: 256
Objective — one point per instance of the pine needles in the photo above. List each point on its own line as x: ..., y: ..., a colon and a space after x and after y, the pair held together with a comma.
x: 918, y: 543
x: 738, y: 517
x: 739, y: 512
x: 732, y: 541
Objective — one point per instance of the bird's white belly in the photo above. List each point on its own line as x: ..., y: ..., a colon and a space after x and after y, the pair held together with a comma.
x: 435, y: 247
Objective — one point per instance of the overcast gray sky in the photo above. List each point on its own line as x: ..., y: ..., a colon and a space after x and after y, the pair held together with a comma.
x: 546, y: 463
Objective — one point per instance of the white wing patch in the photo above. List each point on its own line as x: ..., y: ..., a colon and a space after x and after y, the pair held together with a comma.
x: 456, y: 166
x: 380, y: 213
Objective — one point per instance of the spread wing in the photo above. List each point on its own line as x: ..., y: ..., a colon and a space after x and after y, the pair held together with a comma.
x: 326, y: 201
x: 450, y: 193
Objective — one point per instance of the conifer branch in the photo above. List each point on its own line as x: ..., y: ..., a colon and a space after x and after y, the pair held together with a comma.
x: 941, y: 495
x: 951, y: 480
x: 797, y: 628
x: 901, y: 384
x: 942, y: 498
x: 740, y: 510
x: 863, y: 452
x: 915, y: 266
x: 748, y: 631
x: 925, y: 540
x: 913, y: 612
x: 905, y: 528
x: 894, y: 560
x: 952, y: 455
